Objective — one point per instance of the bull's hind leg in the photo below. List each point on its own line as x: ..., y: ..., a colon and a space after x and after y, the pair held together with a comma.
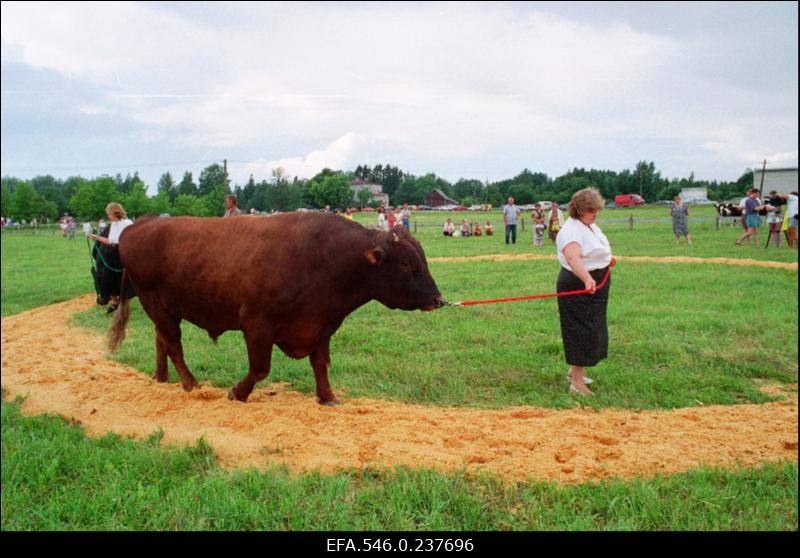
x: 259, y: 355
x: 171, y: 335
x: 161, y: 374
x: 320, y: 360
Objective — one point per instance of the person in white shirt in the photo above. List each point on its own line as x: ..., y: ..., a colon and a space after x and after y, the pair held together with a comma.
x: 383, y: 222
x: 585, y: 256
x: 112, y: 266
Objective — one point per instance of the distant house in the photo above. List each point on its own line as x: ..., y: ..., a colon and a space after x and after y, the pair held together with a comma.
x: 375, y: 189
x: 783, y: 180
x: 437, y: 198
x: 694, y: 195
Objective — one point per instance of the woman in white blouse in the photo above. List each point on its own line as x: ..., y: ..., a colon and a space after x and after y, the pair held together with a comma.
x: 112, y: 274
x: 585, y: 256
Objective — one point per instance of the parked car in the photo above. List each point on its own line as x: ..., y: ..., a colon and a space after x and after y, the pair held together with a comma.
x: 625, y: 200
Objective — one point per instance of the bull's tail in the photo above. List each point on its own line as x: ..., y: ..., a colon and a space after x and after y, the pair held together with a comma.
x: 116, y: 333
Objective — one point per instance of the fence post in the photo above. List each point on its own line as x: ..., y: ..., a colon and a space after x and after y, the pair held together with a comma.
x: 630, y: 221
x: 415, y: 226
x: 522, y: 222
x: 718, y: 222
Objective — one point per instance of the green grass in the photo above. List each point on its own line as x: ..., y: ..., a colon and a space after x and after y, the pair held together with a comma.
x: 681, y: 334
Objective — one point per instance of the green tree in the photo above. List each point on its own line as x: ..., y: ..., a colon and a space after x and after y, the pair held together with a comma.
x: 468, y: 188
x: 187, y: 186
x: 167, y: 185
x: 160, y: 204
x: 214, y: 201
x: 211, y: 177
x: 26, y: 203
x: 136, y: 202
x: 332, y: 189
x: 186, y: 204
x: 246, y: 194
x: 363, y: 197
x: 91, y: 197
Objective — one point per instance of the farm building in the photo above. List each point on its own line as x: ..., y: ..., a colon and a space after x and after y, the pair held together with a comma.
x: 694, y: 195
x: 783, y: 180
x: 375, y: 189
x: 437, y: 198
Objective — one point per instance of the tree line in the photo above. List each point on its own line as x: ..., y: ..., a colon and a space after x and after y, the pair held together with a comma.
x: 47, y: 198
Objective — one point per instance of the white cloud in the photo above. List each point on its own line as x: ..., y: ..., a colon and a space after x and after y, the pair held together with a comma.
x: 343, y: 153
x: 445, y: 81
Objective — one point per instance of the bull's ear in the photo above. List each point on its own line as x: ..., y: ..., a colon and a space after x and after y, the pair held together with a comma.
x: 375, y: 256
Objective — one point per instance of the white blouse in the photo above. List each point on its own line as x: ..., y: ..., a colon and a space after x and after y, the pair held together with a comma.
x: 595, y: 248
x: 116, y: 229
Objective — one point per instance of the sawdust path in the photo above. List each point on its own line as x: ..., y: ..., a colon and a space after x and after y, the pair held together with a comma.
x: 62, y: 369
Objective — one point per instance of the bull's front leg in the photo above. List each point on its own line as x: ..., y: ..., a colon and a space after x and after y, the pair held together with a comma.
x: 320, y: 361
x: 259, y: 356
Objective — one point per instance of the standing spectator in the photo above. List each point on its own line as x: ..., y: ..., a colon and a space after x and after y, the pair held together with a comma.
x: 449, y: 227
x: 751, y: 208
x: 791, y: 213
x: 742, y: 205
x: 71, y: 225
x: 680, y: 220
x: 231, y: 208
x: 87, y: 228
x: 537, y: 217
x: 555, y: 222
x: 391, y: 217
x: 510, y: 214
x: 62, y: 224
x: 348, y: 214
x: 383, y: 223
x: 585, y: 256
x: 406, y: 216
x: 113, y: 265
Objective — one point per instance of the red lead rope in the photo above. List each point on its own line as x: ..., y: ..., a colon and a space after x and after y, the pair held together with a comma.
x: 531, y: 297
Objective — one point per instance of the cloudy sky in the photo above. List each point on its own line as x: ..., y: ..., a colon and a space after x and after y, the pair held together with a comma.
x: 460, y: 89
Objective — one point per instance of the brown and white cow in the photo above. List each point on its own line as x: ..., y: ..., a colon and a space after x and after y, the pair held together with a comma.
x: 288, y: 280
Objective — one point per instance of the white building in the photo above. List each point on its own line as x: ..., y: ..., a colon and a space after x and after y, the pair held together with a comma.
x: 694, y: 194
x: 783, y: 180
x: 375, y: 189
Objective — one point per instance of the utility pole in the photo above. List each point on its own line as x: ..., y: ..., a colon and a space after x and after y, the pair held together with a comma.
x: 225, y: 170
x: 763, y: 172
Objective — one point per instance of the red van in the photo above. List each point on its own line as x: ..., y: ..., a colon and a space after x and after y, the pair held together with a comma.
x: 624, y: 200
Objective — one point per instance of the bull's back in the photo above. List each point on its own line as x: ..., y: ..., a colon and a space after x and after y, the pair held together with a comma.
x: 212, y: 266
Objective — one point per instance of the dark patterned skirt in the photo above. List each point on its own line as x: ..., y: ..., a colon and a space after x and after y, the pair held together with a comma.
x: 583, y: 319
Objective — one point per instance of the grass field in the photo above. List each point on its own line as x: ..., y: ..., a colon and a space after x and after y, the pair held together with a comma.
x: 682, y: 334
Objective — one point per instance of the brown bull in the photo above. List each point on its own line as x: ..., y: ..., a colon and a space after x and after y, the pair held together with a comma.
x: 288, y: 280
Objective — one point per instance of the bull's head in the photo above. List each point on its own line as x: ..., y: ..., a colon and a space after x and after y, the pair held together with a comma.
x: 403, y: 280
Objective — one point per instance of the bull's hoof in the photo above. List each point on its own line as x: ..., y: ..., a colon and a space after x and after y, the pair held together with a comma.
x: 331, y: 403
x: 190, y: 386
x: 160, y: 379
x: 233, y: 397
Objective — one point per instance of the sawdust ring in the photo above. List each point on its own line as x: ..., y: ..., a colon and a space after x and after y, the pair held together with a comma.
x: 59, y: 369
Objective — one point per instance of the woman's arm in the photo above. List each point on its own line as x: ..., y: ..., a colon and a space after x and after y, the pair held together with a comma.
x: 572, y: 252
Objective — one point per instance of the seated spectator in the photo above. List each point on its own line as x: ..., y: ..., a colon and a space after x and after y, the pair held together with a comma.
x: 449, y: 228
x: 476, y: 229
x: 488, y: 228
x: 465, y: 228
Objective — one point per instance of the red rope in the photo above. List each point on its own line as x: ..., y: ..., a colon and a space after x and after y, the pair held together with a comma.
x: 549, y: 295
